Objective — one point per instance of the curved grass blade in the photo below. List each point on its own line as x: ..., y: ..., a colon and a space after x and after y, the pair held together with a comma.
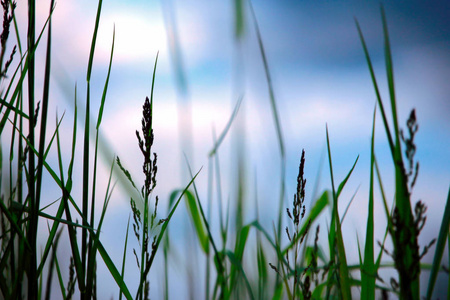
x: 377, y: 91
x: 122, y: 274
x: 440, y: 246
x: 315, y: 211
x: 276, y: 119
x: 113, y: 270
x: 368, y: 272
x: 344, y: 278
x: 241, y: 240
x: 349, y: 203
x: 237, y: 264
x: 105, y: 88
x: 227, y: 127
x: 163, y: 229
x: 197, y: 221
x: 239, y: 19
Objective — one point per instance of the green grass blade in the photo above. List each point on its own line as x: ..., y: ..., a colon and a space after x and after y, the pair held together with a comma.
x: 406, y: 261
x: 440, y: 246
x: 377, y: 91
x: 93, y: 244
x: 273, y: 105
x: 239, y: 22
x: 153, y: 81
x: 276, y: 119
x: 34, y: 207
x: 368, y: 274
x: 241, y: 241
x: 383, y: 197
x: 113, y: 270
x: 227, y: 128
x: 194, y: 212
x: 238, y: 264
x: 202, y: 213
x: 71, y: 229
x: 344, y: 278
x: 44, y: 113
x: 122, y: 274
x: 26, y: 70
x: 342, y: 184
x: 349, y: 204
x: 105, y: 88
x: 94, y: 40
x: 12, y: 221
x: 52, y: 263
x: 163, y: 229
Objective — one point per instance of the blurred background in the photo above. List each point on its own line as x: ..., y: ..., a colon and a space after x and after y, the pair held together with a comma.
x: 209, y: 58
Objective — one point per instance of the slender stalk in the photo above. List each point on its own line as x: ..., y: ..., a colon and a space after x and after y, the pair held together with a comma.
x: 34, y: 207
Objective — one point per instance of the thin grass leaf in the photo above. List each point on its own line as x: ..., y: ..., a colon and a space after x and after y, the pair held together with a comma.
x: 276, y: 119
x: 281, y: 263
x: 342, y: 184
x: 93, y: 245
x: 12, y: 221
x: 163, y: 229
x: 349, y: 203
x: 216, y: 252
x: 85, y: 176
x: 227, y: 127
x: 13, y: 108
x: 194, y: 212
x: 344, y: 279
x: 60, y: 211
x: 72, y: 232
x: 440, y: 246
x: 94, y: 40
x: 239, y: 22
x: 238, y: 264
x: 314, y: 212
x: 60, y: 279
x: 122, y: 273
x: 44, y: 111
x: 153, y: 80
x: 383, y: 197
x: 377, y: 91
x: 105, y: 88
x: 113, y: 270
x: 25, y: 70
x: 368, y: 274
x: 52, y: 263
x: 241, y: 241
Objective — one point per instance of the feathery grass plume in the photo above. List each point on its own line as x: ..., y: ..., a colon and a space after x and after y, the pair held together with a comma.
x: 144, y: 225
x: 149, y: 169
x: 72, y: 279
x: 410, y: 151
x: 7, y: 19
x: 299, y: 288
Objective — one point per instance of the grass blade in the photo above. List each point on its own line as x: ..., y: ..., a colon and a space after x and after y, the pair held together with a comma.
x: 440, y: 246
x: 227, y: 128
x: 368, y: 274
x: 105, y: 88
x: 113, y: 270
x: 344, y: 279
x: 194, y: 212
x: 122, y: 274
x: 163, y: 229
x: 276, y: 119
x: 377, y: 91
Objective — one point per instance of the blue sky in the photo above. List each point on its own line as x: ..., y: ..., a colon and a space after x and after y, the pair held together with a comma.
x: 319, y: 77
